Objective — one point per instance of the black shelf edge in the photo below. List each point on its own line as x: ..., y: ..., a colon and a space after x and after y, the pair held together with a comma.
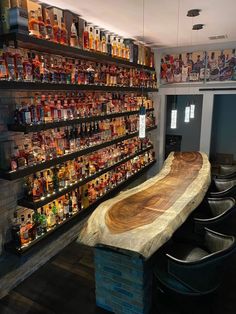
x: 29, y: 42
x: 217, y: 89
x: 51, y: 125
x: 70, y: 222
x: 13, y: 175
x: 37, y: 204
x: 36, y: 86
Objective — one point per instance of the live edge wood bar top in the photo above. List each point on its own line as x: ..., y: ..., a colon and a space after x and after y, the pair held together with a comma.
x: 142, y: 219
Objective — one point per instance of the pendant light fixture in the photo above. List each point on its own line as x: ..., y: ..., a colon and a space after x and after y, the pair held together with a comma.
x: 190, y: 106
x: 142, y: 110
x: 173, y: 118
x: 174, y: 111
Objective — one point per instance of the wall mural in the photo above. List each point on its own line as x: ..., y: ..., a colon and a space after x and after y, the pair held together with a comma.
x: 199, y: 66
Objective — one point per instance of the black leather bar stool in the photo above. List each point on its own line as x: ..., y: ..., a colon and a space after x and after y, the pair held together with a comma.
x: 194, y: 268
x: 224, y: 188
x: 218, y: 214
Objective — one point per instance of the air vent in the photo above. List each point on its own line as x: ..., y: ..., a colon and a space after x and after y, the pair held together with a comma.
x: 218, y: 37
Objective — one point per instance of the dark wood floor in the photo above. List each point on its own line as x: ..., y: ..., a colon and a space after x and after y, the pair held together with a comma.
x: 65, y: 285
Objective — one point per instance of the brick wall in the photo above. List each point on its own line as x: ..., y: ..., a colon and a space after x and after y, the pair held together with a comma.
x: 123, y: 282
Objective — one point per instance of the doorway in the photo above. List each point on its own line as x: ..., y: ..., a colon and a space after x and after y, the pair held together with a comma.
x: 184, y: 135
x: 223, y: 136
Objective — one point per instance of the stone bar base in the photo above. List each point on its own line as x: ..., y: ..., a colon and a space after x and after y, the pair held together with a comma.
x: 123, y: 282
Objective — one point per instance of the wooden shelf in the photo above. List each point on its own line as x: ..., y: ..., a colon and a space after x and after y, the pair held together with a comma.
x: 37, y: 204
x: 67, y: 224
x: 27, y: 128
x: 20, y: 173
x: 29, y: 42
x: 36, y: 86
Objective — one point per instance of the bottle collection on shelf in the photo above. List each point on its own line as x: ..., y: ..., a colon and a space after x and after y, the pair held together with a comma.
x: 50, y: 181
x: 35, y: 148
x: 67, y: 28
x: 46, y: 108
x: 32, y: 66
x: 29, y: 225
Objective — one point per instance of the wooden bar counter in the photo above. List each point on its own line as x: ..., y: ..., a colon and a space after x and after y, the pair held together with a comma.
x: 127, y: 229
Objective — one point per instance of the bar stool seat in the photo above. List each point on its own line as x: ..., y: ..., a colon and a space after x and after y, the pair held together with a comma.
x: 219, y: 214
x: 194, y: 269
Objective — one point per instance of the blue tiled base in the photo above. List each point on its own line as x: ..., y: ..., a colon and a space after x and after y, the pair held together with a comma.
x: 123, y: 282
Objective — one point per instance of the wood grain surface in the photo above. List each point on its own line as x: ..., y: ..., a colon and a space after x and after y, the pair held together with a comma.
x: 145, y: 206
x: 142, y: 219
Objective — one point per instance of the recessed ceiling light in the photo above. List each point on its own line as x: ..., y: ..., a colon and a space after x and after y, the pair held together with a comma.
x: 196, y: 27
x: 193, y: 12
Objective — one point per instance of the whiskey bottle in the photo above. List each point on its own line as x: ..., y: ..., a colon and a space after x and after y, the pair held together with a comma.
x: 64, y: 33
x: 43, y: 220
x: 48, y: 26
x: 50, y: 187
x: 24, y: 234
x: 33, y: 24
x: 85, y: 37
x: 74, y: 41
x: 41, y: 25
x: 56, y: 31
x: 15, y: 231
x: 60, y: 211
x: 91, y: 38
x: 55, y: 180
x: 19, y: 65
x: 66, y: 206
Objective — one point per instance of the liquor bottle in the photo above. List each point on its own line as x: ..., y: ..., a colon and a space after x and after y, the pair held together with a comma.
x: 114, y: 46
x: 85, y: 37
x: 14, y: 158
x: 31, y: 228
x: 15, y: 230
x: 61, y: 177
x: 70, y: 205
x: 10, y: 64
x: 56, y: 30
x: 60, y: 211
x: 90, y: 74
x: 19, y: 65
x: 50, y: 187
x: 97, y: 40
x: 66, y: 206
x: 103, y: 43
x: 33, y: 24
x: 85, y: 198
x: 48, y: 26
x: 43, y: 220
x: 64, y: 33
x: 37, y: 224
x: 91, y: 38
x: 54, y: 210
x: 74, y: 202
x: 119, y: 52
x: 24, y: 234
x: 36, y: 67
x: 74, y: 41
x: 28, y: 69
x: 51, y: 218
x: 3, y: 68
x: 33, y: 111
x: 108, y: 44
x: 41, y: 25
x: 36, y: 192
x: 55, y: 180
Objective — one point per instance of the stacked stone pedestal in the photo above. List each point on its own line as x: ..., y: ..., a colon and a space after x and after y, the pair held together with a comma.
x: 123, y: 282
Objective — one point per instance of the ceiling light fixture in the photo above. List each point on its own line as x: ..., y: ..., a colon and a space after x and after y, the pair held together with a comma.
x: 197, y: 27
x: 193, y: 12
